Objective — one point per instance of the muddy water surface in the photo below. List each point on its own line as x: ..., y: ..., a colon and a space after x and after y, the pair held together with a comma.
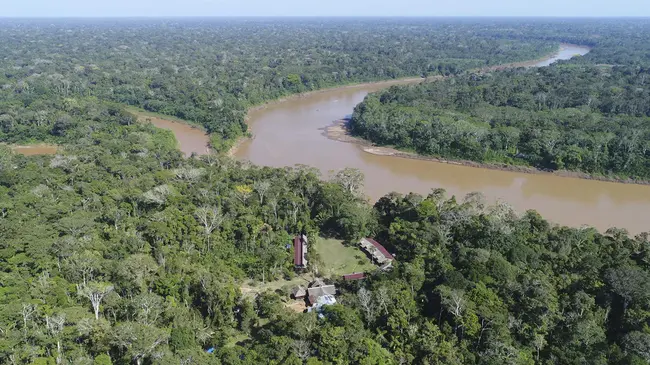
x: 190, y: 139
x: 291, y: 132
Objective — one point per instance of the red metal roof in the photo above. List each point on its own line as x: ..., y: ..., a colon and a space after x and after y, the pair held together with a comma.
x: 355, y: 276
x: 381, y: 248
x: 297, y: 251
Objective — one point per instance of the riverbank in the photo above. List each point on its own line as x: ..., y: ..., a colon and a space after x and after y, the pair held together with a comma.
x: 191, y: 138
x: 536, y: 63
x: 291, y: 133
x: 406, y: 80
x: 340, y: 132
x: 145, y: 114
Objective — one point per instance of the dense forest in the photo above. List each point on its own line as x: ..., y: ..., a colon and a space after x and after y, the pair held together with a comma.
x: 589, y: 114
x: 211, y: 71
x: 117, y: 250
x: 120, y: 251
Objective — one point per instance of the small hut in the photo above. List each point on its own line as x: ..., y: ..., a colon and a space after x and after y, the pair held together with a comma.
x: 299, y: 292
x: 319, y: 289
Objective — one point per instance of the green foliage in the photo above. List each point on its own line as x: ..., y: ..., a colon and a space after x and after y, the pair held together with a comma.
x: 44, y: 361
x: 213, y: 70
x: 182, y: 338
x: 574, y: 115
x: 103, y: 359
x: 137, y: 253
x: 118, y: 249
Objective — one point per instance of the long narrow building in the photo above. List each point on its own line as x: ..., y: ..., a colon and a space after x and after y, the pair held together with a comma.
x: 300, y: 251
x: 378, y: 252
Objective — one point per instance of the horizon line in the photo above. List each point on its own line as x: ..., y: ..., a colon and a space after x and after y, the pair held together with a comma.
x: 323, y: 16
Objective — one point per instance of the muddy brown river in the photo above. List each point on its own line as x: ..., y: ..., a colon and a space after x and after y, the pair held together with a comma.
x: 291, y: 132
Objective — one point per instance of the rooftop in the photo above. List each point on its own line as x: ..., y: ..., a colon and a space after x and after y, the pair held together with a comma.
x: 381, y: 248
x: 315, y: 293
x: 355, y: 276
x: 299, y: 292
x: 300, y: 251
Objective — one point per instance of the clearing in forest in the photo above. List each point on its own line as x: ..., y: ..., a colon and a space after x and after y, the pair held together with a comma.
x: 253, y: 288
x: 338, y: 259
x: 35, y: 149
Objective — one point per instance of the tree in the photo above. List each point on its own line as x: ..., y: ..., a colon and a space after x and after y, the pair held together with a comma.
x: 137, y: 271
x: 631, y: 283
x: 117, y: 206
x: 432, y: 347
x: 454, y: 301
x: 351, y: 180
x: 638, y: 343
x: 27, y: 312
x: 261, y: 187
x: 103, y: 359
x: 140, y: 341
x: 82, y: 266
x: 149, y: 308
x: 382, y: 299
x: 182, y: 338
x: 367, y: 304
x: 76, y: 224
x: 211, y: 218
x: 189, y: 174
x: 55, y: 325
x: 302, y: 349
x: 95, y: 293
x: 243, y: 193
x: 157, y: 195
x: 6, y: 156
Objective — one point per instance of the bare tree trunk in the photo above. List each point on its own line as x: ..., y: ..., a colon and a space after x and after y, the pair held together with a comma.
x: 58, y: 352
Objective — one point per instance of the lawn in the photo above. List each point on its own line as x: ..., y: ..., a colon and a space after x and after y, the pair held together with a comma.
x: 338, y: 259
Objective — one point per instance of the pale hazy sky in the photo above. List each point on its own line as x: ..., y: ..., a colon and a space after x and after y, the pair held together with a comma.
x: 108, y: 8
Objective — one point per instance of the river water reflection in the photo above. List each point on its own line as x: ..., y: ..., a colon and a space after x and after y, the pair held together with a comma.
x: 566, y: 52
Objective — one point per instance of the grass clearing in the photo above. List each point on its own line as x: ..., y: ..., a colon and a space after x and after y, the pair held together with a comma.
x: 35, y: 149
x: 338, y: 259
x: 251, y: 288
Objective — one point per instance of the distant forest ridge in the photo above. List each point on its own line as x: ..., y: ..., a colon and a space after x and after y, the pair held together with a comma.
x: 211, y: 70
